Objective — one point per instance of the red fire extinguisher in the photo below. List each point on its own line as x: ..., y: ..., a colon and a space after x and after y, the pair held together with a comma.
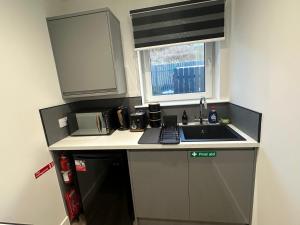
x: 73, y: 203
x: 64, y: 163
x: 65, y: 169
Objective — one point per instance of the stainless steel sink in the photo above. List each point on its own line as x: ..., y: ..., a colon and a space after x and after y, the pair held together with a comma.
x: 200, y: 133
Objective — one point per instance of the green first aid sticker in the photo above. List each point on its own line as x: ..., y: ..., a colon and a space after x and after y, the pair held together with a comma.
x: 203, y: 154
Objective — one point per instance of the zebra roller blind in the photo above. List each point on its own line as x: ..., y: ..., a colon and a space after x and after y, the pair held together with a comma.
x: 178, y: 22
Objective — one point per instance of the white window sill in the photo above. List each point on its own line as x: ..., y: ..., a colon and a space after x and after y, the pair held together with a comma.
x: 185, y: 102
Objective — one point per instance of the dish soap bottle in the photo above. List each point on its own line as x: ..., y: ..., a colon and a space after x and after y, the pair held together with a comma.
x: 184, y: 118
x: 213, y: 115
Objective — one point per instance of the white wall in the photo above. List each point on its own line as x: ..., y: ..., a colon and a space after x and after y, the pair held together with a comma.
x: 121, y: 9
x: 28, y: 83
x: 264, y: 66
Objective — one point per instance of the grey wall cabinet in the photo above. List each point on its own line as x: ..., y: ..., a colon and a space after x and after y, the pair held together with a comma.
x: 160, y: 184
x: 88, y: 53
x: 174, y: 185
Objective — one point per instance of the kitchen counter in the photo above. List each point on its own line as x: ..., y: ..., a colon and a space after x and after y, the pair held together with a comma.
x: 129, y: 140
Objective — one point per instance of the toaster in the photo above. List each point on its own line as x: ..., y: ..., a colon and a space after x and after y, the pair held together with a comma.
x: 138, y: 121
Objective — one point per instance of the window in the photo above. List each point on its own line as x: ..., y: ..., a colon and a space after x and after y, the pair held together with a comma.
x: 179, y: 72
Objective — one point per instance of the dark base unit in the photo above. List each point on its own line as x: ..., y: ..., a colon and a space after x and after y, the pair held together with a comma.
x: 104, y: 185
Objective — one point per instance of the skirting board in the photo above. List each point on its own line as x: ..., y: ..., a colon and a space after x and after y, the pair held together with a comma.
x: 65, y: 221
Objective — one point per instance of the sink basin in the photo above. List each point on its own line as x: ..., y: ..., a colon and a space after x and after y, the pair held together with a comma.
x: 200, y: 133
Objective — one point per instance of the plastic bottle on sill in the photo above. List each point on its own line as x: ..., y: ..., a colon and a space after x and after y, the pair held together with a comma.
x: 213, y: 115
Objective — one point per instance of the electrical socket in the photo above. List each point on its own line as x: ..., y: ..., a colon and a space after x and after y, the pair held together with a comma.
x: 63, y: 122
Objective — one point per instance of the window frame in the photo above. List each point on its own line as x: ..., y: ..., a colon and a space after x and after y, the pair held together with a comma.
x: 146, y: 83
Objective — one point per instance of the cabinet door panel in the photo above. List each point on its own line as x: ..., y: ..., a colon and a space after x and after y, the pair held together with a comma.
x: 160, y: 184
x: 221, y: 187
x: 82, y: 51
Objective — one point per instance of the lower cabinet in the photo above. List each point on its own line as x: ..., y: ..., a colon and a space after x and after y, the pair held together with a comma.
x: 221, y: 187
x: 190, y: 188
x: 160, y: 184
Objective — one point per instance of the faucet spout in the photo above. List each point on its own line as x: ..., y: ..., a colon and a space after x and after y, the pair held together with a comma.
x: 203, y: 104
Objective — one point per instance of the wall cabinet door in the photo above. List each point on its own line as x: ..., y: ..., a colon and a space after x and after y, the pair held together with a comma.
x: 160, y: 184
x: 221, y: 187
x: 85, y: 53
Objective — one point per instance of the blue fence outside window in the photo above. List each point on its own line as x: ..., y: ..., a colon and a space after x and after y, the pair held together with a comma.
x: 178, y: 78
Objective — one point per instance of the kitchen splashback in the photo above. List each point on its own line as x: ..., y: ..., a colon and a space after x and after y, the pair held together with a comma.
x: 245, y: 119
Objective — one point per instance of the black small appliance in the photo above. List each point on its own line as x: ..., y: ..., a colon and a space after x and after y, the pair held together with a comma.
x: 123, y: 117
x: 138, y: 121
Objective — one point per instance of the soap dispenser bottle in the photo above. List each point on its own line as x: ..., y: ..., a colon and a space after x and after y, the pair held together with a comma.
x: 213, y: 115
x: 184, y: 118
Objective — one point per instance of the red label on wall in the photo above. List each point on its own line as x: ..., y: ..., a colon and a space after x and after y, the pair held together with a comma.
x: 43, y: 170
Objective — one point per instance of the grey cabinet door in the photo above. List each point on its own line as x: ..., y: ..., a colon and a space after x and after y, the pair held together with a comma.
x: 83, y: 53
x: 160, y: 184
x: 221, y: 187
